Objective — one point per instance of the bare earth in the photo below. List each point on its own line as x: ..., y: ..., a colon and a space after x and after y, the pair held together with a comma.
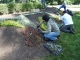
x: 12, y: 43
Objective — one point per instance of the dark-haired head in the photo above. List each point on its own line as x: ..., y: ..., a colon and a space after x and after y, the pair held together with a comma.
x: 67, y: 9
x: 64, y: 12
x: 45, y: 18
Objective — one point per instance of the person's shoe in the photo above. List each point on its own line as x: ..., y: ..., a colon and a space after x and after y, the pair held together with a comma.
x: 58, y: 36
x: 72, y: 31
x: 55, y: 40
x: 46, y: 39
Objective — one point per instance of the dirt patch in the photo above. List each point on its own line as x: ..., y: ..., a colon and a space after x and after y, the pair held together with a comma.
x: 12, y: 46
x: 34, y: 17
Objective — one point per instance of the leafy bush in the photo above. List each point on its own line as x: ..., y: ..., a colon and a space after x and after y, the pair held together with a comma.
x: 77, y: 12
x: 55, y: 3
x: 27, y: 6
x: 40, y: 6
x: 3, y: 9
x: 11, y: 23
x: 1, y: 13
x: 35, y: 5
x: 43, y: 25
x: 11, y: 7
x: 18, y: 7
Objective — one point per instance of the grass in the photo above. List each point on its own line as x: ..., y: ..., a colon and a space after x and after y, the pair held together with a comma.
x: 15, y: 23
x: 70, y: 44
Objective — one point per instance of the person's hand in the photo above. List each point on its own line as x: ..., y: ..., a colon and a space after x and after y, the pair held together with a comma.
x: 60, y: 21
x: 40, y: 30
x: 38, y: 26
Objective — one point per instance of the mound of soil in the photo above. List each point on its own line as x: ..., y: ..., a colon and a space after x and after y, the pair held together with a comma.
x: 33, y: 36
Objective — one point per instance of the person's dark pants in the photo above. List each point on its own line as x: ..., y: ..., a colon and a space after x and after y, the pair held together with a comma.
x: 62, y: 6
x: 68, y: 28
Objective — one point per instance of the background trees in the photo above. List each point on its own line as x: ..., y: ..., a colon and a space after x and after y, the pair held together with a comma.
x: 50, y: 2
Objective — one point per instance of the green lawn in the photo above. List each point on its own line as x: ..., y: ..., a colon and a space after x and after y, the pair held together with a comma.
x: 70, y: 43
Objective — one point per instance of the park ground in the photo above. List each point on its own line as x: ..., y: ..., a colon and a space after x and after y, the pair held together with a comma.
x: 12, y: 41
x: 12, y: 45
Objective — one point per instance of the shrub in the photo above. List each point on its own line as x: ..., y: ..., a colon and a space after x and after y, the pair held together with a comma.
x: 11, y: 7
x: 55, y: 3
x: 1, y: 13
x: 3, y: 9
x: 27, y: 6
x: 77, y: 12
x: 43, y: 25
x: 18, y: 7
x: 40, y: 6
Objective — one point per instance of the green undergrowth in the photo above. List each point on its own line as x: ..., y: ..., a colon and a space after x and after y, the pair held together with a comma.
x: 70, y: 43
x: 15, y: 23
x: 43, y: 25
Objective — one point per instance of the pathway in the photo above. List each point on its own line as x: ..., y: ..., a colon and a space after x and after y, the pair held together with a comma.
x: 71, y: 7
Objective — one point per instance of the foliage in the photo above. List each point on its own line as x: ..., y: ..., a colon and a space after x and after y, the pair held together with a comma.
x: 11, y: 7
x: 18, y: 7
x: 35, y: 1
x: 3, y: 9
x: 76, y: 12
x: 29, y: 6
x: 54, y: 16
x: 40, y: 6
x: 43, y: 25
x: 11, y: 23
x: 55, y: 3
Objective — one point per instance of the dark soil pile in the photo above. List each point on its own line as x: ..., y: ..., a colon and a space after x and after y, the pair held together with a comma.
x: 33, y: 36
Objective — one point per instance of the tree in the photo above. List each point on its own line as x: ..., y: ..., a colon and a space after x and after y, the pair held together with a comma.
x: 59, y: 2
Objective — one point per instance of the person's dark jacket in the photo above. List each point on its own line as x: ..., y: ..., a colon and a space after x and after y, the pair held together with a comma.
x: 70, y: 12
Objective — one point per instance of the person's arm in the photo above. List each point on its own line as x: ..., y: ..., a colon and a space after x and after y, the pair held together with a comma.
x: 40, y: 24
x: 61, y: 19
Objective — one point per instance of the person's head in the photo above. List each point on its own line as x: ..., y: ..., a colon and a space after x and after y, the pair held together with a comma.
x: 45, y: 18
x: 67, y: 10
x: 64, y: 12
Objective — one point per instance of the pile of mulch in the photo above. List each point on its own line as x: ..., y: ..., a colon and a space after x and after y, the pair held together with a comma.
x: 33, y: 36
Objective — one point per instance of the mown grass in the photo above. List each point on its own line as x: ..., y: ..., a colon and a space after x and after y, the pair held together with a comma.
x: 70, y: 43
